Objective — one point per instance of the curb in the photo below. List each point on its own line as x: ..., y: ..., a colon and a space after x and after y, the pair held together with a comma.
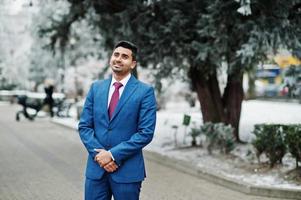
x: 213, y: 177
x: 222, y: 180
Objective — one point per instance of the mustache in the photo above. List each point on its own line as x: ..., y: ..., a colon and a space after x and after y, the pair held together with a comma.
x: 116, y: 62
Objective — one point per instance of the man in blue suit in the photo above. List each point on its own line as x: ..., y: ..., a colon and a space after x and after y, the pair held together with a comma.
x: 117, y: 121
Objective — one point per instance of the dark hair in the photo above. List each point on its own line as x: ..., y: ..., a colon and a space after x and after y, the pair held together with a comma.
x: 128, y: 45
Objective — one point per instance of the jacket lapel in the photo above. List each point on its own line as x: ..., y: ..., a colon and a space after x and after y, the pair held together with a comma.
x: 128, y: 91
x: 103, y: 97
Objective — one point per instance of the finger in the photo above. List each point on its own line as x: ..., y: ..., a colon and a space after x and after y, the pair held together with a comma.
x: 96, y: 158
x: 111, y: 163
x: 104, y: 163
x: 114, y: 165
x: 98, y: 150
x: 108, y: 168
x: 112, y: 169
x: 101, y: 164
x: 111, y: 166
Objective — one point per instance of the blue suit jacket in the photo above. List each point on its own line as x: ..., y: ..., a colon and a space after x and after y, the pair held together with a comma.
x: 130, y: 129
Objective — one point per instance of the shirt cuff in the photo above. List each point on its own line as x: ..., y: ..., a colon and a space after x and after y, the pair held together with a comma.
x: 112, y: 156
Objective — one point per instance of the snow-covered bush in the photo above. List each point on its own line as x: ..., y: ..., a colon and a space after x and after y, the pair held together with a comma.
x: 218, y: 136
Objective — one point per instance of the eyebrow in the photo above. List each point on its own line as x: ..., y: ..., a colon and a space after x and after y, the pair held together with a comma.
x: 122, y: 54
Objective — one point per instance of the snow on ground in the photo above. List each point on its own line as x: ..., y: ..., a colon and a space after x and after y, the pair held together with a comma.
x: 253, y: 112
x: 242, y: 165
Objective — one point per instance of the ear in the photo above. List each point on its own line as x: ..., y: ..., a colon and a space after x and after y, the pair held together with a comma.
x: 133, y: 64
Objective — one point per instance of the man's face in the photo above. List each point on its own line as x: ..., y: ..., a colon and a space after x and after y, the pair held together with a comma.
x: 121, y: 61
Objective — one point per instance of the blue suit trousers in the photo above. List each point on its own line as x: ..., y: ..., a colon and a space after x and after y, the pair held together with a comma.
x: 104, y: 188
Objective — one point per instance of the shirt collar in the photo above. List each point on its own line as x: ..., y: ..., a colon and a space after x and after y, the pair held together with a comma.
x: 124, y: 81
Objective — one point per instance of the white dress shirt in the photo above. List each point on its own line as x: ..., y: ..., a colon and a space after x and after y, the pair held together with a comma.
x: 124, y: 81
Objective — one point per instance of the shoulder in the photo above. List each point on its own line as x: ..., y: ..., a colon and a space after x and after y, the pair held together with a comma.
x: 145, y: 88
x: 100, y: 83
x: 143, y: 85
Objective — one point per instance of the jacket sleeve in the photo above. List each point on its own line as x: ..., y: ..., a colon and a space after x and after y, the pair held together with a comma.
x: 86, y: 125
x: 146, y: 128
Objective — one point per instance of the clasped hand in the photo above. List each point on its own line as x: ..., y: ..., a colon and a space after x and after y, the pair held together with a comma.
x: 104, y: 159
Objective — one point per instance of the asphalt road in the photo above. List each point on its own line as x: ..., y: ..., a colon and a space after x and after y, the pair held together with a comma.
x: 41, y: 160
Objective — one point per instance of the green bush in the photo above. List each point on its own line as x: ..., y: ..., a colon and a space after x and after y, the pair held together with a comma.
x: 194, y: 133
x: 276, y: 139
x: 270, y: 140
x: 260, y: 141
x: 219, y: 136
x: 293, y: 140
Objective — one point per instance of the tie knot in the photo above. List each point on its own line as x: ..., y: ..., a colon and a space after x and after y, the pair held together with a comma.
x: 117, y: 85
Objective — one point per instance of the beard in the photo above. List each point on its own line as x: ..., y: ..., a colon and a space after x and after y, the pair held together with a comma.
x: 116, y: 68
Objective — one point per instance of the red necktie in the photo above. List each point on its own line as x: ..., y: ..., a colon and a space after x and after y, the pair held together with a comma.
x: 114, y: 98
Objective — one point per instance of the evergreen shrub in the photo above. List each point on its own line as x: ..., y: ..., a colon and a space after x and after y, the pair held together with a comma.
x: 219, y: 136
x: 274, y: 140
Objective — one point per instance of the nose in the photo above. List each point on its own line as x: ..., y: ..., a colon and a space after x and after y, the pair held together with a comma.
x: 118, y: 58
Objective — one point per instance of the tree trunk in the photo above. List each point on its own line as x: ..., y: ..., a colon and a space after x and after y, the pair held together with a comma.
x: 214, y: 107
x: 251, y: 93
x: 233, y: 97
x: 209, y: 96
